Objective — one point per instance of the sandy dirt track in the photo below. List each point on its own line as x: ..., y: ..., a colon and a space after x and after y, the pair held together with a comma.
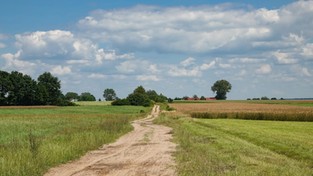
x: 147, y: 150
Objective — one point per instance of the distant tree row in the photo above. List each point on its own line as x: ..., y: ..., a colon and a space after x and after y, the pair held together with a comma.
x: 187, y: 97
x: 220, y: 87
x: 20, y: 89
x: 141, y: 97
x: 264, y: 98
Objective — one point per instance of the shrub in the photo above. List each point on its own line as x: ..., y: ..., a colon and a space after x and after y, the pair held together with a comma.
x: 138, y: 99
x: 120, y: 102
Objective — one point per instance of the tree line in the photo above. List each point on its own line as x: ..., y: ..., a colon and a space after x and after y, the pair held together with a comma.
x: 140, y: 97
x: 20, y: 89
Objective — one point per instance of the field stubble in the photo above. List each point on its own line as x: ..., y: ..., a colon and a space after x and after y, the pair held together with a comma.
x: 249, y: 111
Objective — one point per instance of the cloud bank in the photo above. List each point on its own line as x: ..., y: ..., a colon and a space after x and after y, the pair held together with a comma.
x: 165, y: 45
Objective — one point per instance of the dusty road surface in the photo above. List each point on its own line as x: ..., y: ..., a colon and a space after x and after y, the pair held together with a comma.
x: 146, y: 150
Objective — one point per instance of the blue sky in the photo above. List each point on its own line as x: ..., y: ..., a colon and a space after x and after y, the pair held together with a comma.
x: 178, y: 47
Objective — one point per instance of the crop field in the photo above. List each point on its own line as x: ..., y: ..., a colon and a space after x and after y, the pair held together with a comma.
x: 253, y: 110
x: 33, y: 139
x: 240, y: 147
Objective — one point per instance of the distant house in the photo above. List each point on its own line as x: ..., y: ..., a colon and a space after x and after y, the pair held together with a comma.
x: 191, y: 99
x: 210, y: 98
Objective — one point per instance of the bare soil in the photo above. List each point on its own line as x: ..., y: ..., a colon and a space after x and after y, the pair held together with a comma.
x: 147, y: 150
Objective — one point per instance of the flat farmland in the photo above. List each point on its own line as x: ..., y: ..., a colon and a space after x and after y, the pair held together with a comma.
x: 245, y: 106
x: 34, y: 139
x: 225, y: 146
x: 250, y: 110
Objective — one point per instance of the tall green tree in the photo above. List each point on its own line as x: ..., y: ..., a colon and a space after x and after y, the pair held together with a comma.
x: 139, y: 97
x: 153, y: 95
x: 71, y: 96
x: 140, y: 90
x: 109, y: 94
x: 221, y: 87
x: 50, y: 88
x: 86, y: 96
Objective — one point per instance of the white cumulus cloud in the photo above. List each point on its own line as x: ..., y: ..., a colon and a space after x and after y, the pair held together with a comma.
x: 284, y: 58
x: 61, y: 70
x: 147, y: 78
x: 264, y: 69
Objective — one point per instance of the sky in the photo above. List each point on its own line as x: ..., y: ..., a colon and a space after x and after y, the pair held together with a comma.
x: 178, y: 47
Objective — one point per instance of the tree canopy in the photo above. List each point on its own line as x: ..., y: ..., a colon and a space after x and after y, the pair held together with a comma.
x: 86, y: 96
x: 221, y: 87
x: 70, y: 96
x: 20, y: 89
x: 50, y: 88
x: 109, y: 94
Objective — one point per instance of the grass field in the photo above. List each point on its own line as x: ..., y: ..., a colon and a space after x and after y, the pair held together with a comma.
x: 93, y: 103
x: 240, y: 147
x: 34, y: 139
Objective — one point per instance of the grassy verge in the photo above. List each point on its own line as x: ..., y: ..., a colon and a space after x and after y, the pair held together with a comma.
x: 33, y: 140
x: 241, y: 147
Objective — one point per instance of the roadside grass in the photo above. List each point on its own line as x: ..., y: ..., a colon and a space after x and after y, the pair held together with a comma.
x: 240, y: 147
x: 34, y: 140
x: 70, y: 110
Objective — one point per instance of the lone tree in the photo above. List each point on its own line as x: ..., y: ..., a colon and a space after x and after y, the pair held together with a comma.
x: 109, y: 95
x: 221, y: 87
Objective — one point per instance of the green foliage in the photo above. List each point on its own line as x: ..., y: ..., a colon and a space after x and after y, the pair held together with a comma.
x: 71, y: 96
x: 264, y: 98
x: 50, y: 87
x: 153, y: 95
x: 19, y: 89
x: 221, y: 87
x: 120, y: 102
x: 5, y: 87
x: 139, y: 99
x: 109, y: 94
x: 86, y: 96
x: 140, y: 90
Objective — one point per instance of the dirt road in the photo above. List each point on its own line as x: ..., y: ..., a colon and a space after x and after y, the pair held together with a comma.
x: 144, y: 151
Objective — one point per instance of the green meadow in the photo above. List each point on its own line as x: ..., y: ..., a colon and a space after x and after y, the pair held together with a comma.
x: 238, y: 146
x: 32, y: 140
